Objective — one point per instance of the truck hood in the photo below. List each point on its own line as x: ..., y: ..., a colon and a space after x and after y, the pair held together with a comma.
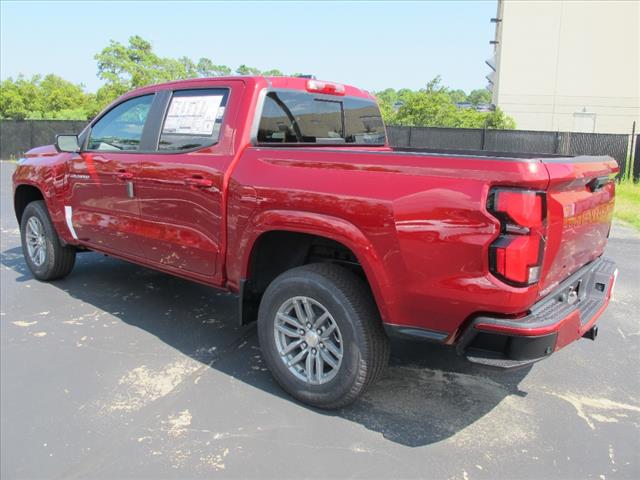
x: 43, y: 151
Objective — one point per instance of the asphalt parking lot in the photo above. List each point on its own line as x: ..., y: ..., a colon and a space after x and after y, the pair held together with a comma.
x: 119, y: 371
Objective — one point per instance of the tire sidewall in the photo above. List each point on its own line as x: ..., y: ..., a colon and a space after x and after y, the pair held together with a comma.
x: 317, y: 287
x: 44, y: 271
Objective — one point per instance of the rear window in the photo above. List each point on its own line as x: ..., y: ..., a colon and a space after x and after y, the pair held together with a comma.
x: 193, y: 119
x: 299, y: 117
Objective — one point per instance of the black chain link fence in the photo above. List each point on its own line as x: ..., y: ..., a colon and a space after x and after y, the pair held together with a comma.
x: 18, y: 136
x: 618, y: 146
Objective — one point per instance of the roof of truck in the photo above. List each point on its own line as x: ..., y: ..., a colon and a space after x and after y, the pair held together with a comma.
x: 294, y: 83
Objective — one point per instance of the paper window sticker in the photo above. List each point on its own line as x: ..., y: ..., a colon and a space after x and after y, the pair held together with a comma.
x: 193, y: 115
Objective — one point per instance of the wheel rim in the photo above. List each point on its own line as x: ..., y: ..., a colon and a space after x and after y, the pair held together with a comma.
x: 36, y: 241
x: 308, y: 340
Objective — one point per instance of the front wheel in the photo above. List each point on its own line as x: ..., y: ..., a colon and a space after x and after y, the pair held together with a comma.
x: 46, y: 257
x: 321, y: 335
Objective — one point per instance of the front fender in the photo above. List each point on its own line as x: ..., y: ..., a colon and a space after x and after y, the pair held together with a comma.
x: 49, y: 176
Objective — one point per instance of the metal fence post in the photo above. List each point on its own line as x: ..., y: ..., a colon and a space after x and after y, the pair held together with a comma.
x: 636, y: 161
x: 629, y: 170
x: 31, y: 139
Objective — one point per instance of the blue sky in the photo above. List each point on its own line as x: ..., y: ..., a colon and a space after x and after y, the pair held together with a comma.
x: 373, y: 45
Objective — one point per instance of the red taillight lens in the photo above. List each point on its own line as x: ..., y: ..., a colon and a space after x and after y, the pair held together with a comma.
x: 325, y: 87
x: 523, y: 208
x: 516, y: 255
x: 516, y: 258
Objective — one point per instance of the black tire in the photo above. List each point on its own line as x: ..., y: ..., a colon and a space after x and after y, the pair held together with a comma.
x: 59, y: 259
x: 349, y: 301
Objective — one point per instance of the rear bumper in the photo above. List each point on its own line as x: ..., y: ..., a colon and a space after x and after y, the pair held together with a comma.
x: 567, y: 314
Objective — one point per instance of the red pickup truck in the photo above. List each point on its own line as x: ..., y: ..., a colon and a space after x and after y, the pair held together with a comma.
x: 285, y: 192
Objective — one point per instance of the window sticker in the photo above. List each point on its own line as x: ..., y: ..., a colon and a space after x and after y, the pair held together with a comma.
x: 193, y: 115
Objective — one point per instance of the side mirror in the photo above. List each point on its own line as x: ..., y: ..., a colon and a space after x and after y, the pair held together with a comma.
x: 67, y: 143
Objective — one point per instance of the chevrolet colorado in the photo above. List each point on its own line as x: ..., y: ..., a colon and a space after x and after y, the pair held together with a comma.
x: 285, y: 192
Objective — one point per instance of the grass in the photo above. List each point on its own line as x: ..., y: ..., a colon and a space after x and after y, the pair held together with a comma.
x: 628, y: 202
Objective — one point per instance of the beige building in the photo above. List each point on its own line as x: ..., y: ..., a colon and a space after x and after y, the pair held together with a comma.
x: 568, y: 65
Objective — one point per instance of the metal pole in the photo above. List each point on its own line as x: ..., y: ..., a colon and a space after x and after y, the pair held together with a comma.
x: 31, y: 140
x: 630, y: 153
x: 636, y: 156
x: 484, y: 133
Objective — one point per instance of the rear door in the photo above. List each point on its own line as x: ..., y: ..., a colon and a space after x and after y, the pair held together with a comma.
x: 180, y: 185
x: 102, y: 209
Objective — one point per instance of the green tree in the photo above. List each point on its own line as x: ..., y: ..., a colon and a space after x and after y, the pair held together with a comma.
x: 273, y: 73
x: 105, y: 95
x: 499, y: 120
x: 38, y: 98
x: 206, y: 68
x: 246, y: 70
x: 389, y: 95
x: 387, y: 100
x: 431, y: 106
x: 58, y: 94
x: 190, y: 68
x: 16, y: 98
x: 136, y: 65
x: 130, y: 65
x: 481, y: 95
x: 435, y: 106
x: 458, y: 96
x: 124, y: 67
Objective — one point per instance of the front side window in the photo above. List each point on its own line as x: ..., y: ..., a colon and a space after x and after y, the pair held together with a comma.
x: 300, y: 117
x: 121, y: 128
x: 193, y: 119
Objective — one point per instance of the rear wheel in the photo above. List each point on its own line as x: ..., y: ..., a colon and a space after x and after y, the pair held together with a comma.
x: 45, y: 255
x: 321, y: 335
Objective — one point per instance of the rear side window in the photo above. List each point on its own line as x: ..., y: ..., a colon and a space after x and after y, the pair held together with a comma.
x: 300, y: 117
x: 193, y: 119
x: 121, y: 128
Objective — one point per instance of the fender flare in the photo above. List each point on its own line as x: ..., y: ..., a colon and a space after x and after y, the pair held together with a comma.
x: 55, y: 212
x: 326, y: 226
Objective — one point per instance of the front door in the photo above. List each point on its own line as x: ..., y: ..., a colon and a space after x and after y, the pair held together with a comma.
x: 102, y: 209
x: 180, y: 187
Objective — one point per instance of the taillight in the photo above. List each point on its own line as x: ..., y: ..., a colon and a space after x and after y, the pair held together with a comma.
x: 516, y: 255
x: 325, y: 87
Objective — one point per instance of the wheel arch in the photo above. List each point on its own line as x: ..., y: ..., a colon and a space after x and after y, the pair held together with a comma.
x: 299, y: 233
x: 23, y: 195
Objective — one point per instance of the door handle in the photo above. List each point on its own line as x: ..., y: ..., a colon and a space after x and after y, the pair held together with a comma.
x: 198, y: 182
x: 598, y: 182
x: 122, y: 175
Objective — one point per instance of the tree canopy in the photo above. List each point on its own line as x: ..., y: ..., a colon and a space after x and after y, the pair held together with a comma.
x: 123, y: 67
x: 436, y: 106
x: 49, y: 97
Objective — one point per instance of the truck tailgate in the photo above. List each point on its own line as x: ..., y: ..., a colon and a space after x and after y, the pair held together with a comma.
x: 580, y: 200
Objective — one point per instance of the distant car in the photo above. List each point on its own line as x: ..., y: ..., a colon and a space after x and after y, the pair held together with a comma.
x: 285, y: 192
